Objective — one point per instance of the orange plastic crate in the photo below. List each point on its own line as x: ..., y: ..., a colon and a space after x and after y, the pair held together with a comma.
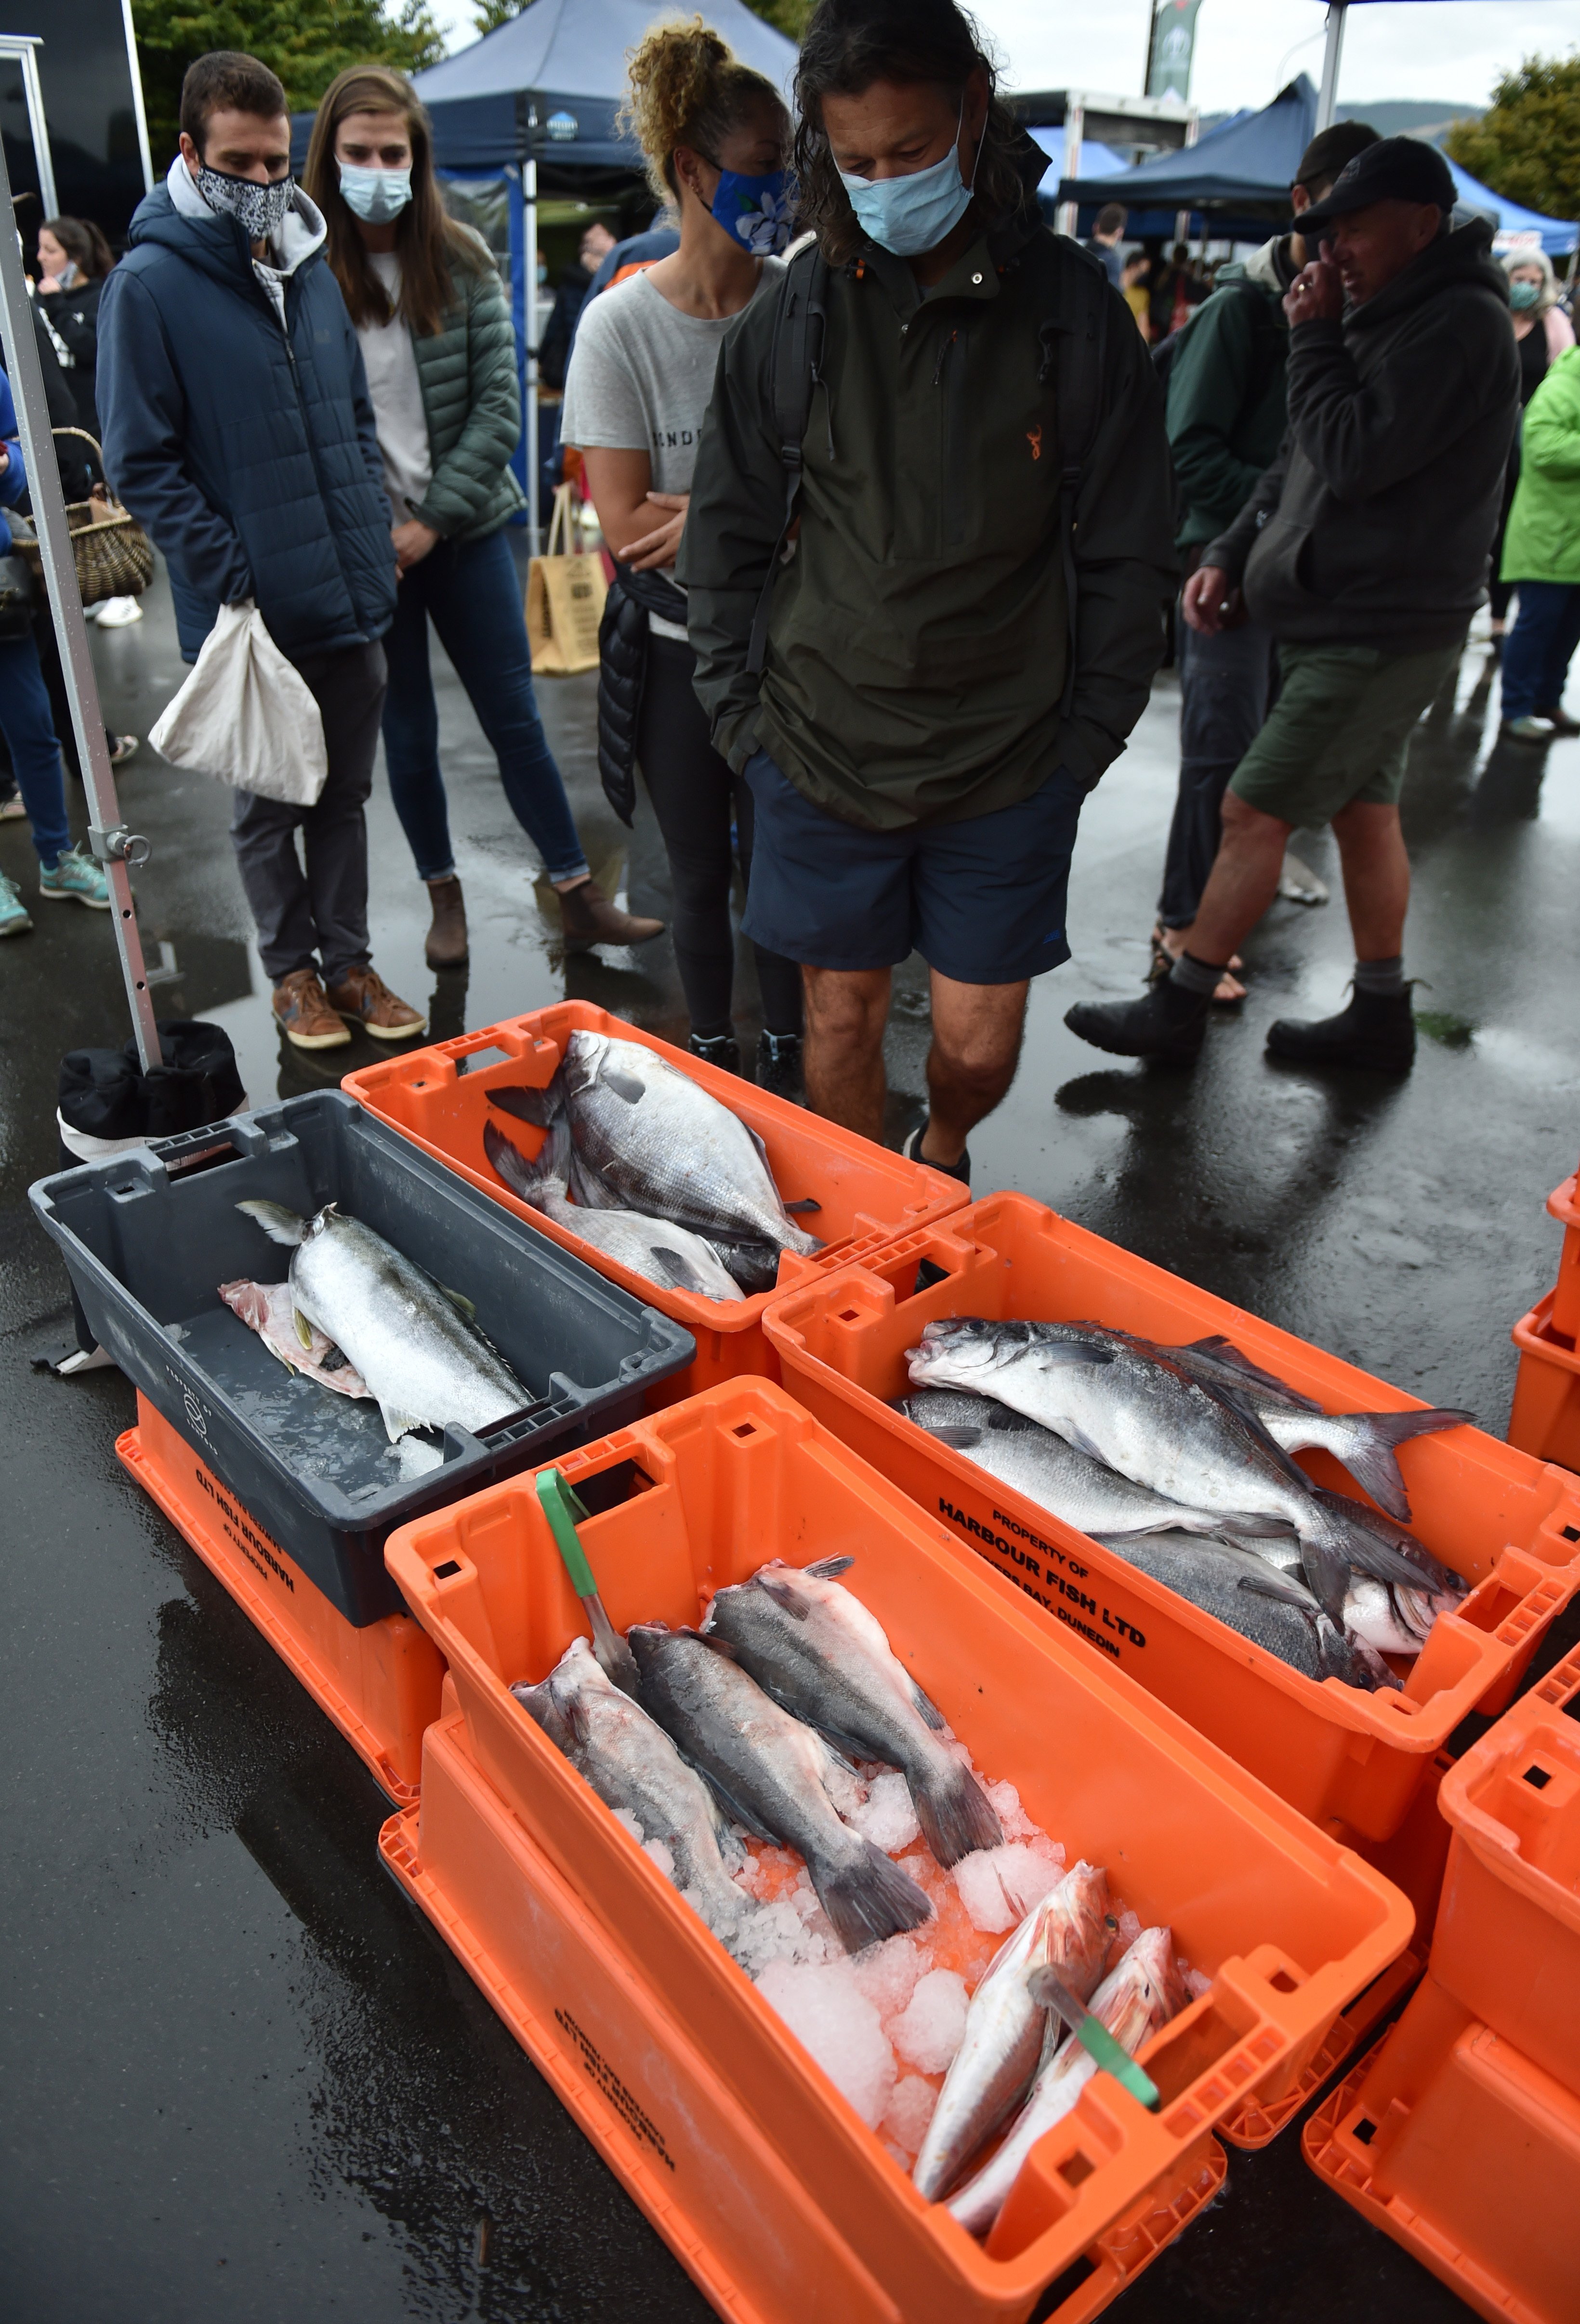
x: 1467, y: 2153
x: 1507, y: 1944
x: 1290, y: 1926
x: 1564, y: 1203
x: 868, y: 1195
x: 1545, y: 1421
x: 379, y: 1684
x: 1352, y: 1762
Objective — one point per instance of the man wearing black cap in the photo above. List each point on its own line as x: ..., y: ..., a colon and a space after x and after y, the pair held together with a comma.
x: 1225, y: 420
x: 1364, y: 550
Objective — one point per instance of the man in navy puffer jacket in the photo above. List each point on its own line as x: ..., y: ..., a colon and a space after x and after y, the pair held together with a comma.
x: 239, y: 429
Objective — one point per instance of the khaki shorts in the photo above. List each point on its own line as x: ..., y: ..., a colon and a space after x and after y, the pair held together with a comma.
x: 1340, y: 730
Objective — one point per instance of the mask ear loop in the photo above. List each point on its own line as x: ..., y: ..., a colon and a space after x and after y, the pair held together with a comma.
x: 981, y: 142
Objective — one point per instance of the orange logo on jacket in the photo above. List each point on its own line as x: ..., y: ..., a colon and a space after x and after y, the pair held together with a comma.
x: 1034, y: 438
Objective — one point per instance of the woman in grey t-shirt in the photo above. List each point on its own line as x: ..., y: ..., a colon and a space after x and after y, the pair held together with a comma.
x: 716, y: 135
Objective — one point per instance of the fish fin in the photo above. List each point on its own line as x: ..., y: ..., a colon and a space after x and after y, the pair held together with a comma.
x: 304, y: 1330
x: 278, y: 1223
x: 398, y: 1423
x: 870, y: 1898
x: 1013, y: 1424
x: 1258, y: 1528
x: 1328, y: 1573
x: 1056, y: 1353
x: 1368, y: 1555
x: 511, y: 1165
x: 681, y: 1274
x: 958, y: 1440
x: 466, y: 1309
x: 1276, y: 1585
x: 762, y: 1152
x: 736, y: 1812
x: 622, y: 1084
x: 1372, y: 1465
x: 1225, y: 1352
x: 806, y: 1203
x: 537, y: 1106
x: 926, y: 1708
x: 956, y: 1815
x: 828, y: 1569
x: 1082, y: 1443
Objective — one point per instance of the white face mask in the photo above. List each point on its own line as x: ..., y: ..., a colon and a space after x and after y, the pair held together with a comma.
x: 376, y: 195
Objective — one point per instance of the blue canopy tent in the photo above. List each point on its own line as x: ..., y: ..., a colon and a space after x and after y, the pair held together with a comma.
x: 1514, y: 227
x: 1096, y: 160
x: 530, y: 109
x: 1235, y: 181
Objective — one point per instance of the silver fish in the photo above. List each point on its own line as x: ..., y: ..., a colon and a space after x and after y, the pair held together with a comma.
x: 1131, y: 1408
x: 822, y: 1656
x: 1392, y: 1619
x: 1070, y: 1931
x: 655, y: 1248
x: 778, y: 1777
x: 661, y: 1143
x: 1272, y: 1608
x: 425, y: 1363
x: 1364, y: 1443
x: 1139, y: 1997
x: 1366, y: 1526
x: 1067, y: 1483
x: 632, y: 1764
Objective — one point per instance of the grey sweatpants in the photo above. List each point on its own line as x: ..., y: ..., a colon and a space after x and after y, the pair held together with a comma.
x: 318, y: 915
x: 1226, y: 687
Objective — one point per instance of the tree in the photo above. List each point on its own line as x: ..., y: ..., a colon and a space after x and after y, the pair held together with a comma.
x: 306, y: 42
x: 1527, y: 145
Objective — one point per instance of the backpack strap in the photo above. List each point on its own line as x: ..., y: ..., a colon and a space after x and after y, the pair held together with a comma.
x: 795, y: 366
x: 1075, y: 344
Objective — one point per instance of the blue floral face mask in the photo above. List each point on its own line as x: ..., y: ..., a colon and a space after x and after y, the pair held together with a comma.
x: 754, y: 211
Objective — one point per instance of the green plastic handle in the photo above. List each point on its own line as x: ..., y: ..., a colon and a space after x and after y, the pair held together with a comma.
x: 1101, y: 2044
x: 562, y: 1508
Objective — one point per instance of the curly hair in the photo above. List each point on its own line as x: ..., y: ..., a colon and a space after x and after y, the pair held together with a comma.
x: 849, y: 44
x: 687, y: 88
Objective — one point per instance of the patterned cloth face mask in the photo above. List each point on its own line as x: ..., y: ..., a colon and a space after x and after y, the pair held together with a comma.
x: 260, y: 209
x: 754, y: 211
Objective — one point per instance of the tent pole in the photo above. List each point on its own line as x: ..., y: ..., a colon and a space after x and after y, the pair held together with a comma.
x: 116, y: 847
x: 530, y: 272
x: 1327, y: 96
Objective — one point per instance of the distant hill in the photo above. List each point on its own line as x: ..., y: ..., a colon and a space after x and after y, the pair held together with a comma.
x: 1429, y: 118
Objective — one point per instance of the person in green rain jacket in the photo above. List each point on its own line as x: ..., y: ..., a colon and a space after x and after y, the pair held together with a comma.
x: 1541, y: 557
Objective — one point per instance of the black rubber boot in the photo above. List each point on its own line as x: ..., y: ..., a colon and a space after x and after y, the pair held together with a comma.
x: 720, y: 1049
x: 1170, y: 1022
x: 1376, y: 1031
x: 779, y: 1064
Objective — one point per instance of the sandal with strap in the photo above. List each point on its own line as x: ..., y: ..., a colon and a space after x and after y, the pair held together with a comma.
x: 1230, y: 991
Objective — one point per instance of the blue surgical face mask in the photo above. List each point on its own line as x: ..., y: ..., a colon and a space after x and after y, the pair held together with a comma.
x: 1523, y: 296
x: 376, y: 195
x: 910, y: 215
x: 754, y: 211
x: 542, y: 270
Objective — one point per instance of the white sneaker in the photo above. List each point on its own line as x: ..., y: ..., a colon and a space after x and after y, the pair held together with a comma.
x: 118, y: 612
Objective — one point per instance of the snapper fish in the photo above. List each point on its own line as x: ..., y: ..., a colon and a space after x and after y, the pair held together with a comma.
x: 777, y: 1776
x: 655, y: 1248
x: 661, y: 1144
x: 425, y: 1362
x: 825, y: 1658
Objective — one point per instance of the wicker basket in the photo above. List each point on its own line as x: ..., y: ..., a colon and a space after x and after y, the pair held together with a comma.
x: 114, y: 555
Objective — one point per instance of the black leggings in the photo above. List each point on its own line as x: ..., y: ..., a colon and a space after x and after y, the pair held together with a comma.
x: 694, y: 796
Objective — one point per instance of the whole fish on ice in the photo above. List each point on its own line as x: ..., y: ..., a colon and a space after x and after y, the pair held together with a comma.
x: 777, y: 1776
x: 424, y: 1363
x: 660, y: 1143
x: 656, y: 1248
x: 821, y: 1655
x: 1070, y: 1931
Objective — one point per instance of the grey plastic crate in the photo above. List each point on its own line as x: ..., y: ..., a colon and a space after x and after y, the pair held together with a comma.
x: 148, y: 1236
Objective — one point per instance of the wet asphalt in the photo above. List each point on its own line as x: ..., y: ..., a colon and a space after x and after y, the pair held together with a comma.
x: 240, y: 2079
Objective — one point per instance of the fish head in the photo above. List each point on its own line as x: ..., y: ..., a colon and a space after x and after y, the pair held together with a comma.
x: 963, y: 1351
x: 1156, y: 1977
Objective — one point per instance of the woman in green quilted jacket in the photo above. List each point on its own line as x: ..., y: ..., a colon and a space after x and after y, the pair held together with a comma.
x: 1542, y: 556
x: 440, y: 349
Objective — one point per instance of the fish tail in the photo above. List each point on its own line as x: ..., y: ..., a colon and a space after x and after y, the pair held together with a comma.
x: 867, y: 1898
x: 537, y: 1106
x: 1372, y: 1462
x: 278, y: 1223
x: 956, y: 1815
x: 529, y: 1181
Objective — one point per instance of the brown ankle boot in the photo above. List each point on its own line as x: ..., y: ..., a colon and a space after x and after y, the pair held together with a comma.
x: 590, y: 918
x: 447, y: 939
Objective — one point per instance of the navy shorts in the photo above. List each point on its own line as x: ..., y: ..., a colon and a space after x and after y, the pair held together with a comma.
x: 983, y: 901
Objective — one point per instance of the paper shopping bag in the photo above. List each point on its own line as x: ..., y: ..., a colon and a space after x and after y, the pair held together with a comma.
x: 566, y: 590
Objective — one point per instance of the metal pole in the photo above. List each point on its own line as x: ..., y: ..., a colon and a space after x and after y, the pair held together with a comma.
x: 138, y: 108
x: 1075, y: 125
x: 1327, y: 96
x: 114, y: 846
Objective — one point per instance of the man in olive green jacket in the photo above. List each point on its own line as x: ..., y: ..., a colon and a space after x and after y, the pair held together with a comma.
x: 924, y: 726
x: 1541, y: 555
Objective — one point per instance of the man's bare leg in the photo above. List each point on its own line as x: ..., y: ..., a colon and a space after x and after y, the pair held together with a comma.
x: 976, y: 1047
x: 843, y: 1046
x: 1377, y: 877
x: 1242, y: 883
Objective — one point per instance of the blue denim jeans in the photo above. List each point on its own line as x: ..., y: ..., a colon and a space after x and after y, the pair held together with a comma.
x: 1538, y: 650
x: 470, y: 592
x: 29, y: 728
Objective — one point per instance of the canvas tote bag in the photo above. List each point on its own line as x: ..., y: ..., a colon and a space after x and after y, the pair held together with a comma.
x: 566, y: 589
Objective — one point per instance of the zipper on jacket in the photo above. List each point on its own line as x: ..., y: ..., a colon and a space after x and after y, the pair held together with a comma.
x: 950, y: 376
x: 313, y: 449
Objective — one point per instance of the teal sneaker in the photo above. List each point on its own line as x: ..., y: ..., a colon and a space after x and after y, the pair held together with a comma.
x: 77, y: 873
x: 13, y: 918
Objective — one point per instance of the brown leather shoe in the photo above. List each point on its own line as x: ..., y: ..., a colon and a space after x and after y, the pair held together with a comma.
x: 447, y: 939
x: 362, y: 996
x: 590, y: 918
x: 302, y: 1011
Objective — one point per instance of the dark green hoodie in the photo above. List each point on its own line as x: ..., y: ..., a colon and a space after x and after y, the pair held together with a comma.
x: 1226, y: 393
x: 917, y: 640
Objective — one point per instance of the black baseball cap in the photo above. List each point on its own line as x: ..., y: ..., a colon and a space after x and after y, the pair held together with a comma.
x: 1394, y: 170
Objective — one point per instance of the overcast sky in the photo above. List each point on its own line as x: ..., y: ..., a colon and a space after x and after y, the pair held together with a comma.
x: 1245, y: 49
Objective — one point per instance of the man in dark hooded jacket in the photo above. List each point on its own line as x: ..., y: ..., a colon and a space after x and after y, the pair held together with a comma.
x: 1364, y: 550
x: 237, y: 427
